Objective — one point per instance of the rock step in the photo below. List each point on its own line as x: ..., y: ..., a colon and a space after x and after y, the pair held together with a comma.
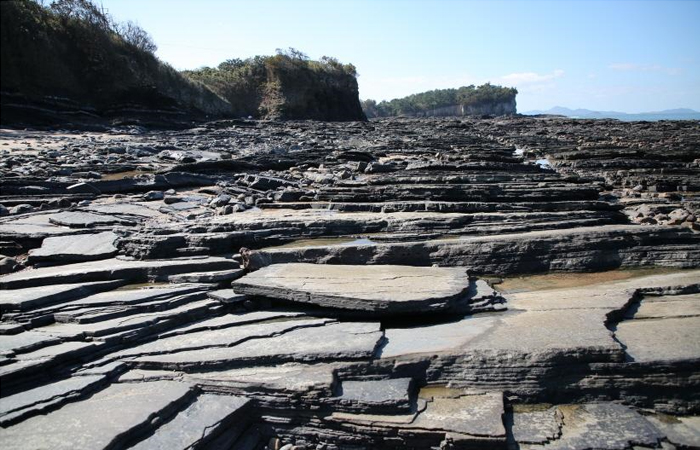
x: 388, y: 396
x: 383, y: 290
x: 206, y: 419
x: 575, y: 249
x: 109, y: 418
x: 18, y: 407
x: 107, y: 312
x: 221, y: 276
x: 28, y: 298
x: 226, y: 296
x: 445, y: 207
x: 322, y: 341
x: 76, y: 248
x: 591, y: 425
x: 113, y: 298
x: 109, y: 269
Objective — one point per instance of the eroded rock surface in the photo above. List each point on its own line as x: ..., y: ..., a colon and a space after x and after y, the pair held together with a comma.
x: 368, y: 290
x: 470, y: 283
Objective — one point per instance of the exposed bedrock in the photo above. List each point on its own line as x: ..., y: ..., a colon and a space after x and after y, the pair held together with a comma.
x: 404, y: 283
x: 371, y: 291
x: 576, y: 249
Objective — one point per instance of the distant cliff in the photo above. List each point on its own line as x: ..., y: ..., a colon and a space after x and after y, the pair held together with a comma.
x: 286, y: 86
x: 69, y: 62
x: 466, y: 101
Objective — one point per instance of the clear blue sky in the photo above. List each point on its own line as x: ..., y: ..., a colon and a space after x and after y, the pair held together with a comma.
x: 629, y: 56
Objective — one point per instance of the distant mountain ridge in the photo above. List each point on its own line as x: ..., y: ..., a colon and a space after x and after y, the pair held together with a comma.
x: 668, y: 114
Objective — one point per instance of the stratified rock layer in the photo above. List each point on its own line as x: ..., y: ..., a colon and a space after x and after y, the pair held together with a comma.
x: 374, y: 290
x: 352, y: 323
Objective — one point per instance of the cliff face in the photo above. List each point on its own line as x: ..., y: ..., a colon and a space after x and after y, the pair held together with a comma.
x: 484, y: 100
x: 286, y: 86
x: 307, y: 94
x: 506, y: 108
x: 484, y: 109
x: 57, y: 69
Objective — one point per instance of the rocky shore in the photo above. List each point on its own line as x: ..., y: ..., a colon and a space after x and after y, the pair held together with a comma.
x: 461, y: 283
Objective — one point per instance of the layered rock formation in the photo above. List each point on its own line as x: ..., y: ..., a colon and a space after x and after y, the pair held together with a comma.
x: 346, y: 286
x: 68, y: 63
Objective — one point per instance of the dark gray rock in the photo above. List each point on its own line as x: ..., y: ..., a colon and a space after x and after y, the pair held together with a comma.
x: 76, y: 248
x: 109, y: 418
x: 135, y: 271
x: 19, y: 407
x: 372, y: 289
x: 375, y: 396
x: 80, y: 219
x: 204, y: 420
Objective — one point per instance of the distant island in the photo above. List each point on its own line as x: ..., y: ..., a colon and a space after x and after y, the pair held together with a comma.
x: 486, y: 99
x: 668, y: 114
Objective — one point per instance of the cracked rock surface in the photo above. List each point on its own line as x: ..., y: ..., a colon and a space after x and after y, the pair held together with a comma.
x: 500, y: 283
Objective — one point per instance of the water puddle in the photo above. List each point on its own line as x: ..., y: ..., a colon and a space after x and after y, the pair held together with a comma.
x: 136, y: 286
x: 531, y: 407
x: 122, y: 175
x: 323, y: 242
x: 562, y: 280
x: 440, y: 391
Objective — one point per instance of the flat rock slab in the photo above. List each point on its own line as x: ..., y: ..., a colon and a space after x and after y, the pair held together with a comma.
x: 680, y: 339
x: 17, y: 407
x: 536, y: 426
x: 226, y: 296
x: 25, y: 342
x: 289, y: 378
x: 199, y: 423
x: 392, y: 395
x: 473, y: 415
x: 105, y: 420
x: 681, y: 431
x: 603, y: 425
x: 35, y: 297
x: 381, y: 290
x: 332, y: 341
x: 76, y: 248
x: 109, y: 269
x: 218, y: 276
x: 79, y: 219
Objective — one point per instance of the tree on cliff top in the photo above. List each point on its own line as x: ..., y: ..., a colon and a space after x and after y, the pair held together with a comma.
x: 287, y: 84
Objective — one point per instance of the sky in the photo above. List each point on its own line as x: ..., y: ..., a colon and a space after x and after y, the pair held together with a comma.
x: 630, y: 56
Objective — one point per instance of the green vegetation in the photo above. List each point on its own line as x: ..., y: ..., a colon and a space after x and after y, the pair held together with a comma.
x: 470, y: 97
x: 73, y: 51
x: 70, y: 57
x: 287, y: 85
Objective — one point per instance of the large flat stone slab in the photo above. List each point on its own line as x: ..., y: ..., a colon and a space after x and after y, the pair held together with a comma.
x: 472, y: 415
x: 17, y: 407
x: 372, y: 289
x: 672, y: 339
x: 36, y: 297
x: 603, y: 425
x: 106, y: 420
x: 391, y: 395
x: 80, y: 219
x: 201, y: 422
x: 109, y: 269
x: 333, y: 341
x: 75, y: 248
